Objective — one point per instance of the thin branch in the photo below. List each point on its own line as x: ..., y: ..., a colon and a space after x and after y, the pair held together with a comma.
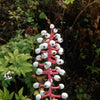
x: 82, y: 12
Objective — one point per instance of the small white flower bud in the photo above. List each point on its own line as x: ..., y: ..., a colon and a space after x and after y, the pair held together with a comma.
x: 38, y: 97
x: 60, y: 61
x: 47, y: 84
x: 61, y: 86
x: 52, y: 26
x: 36, y: 85
x: 42, y: 92
x: 44, y: 55
x: 64, y: 95
x: 43, y: 32
x: 51, y: 80
x: 52, y: 43
x: 37, y: 51
x: 39, y: 40
x: 60, y: 40
x: 57, y: 78
x: 55, y: 30
x: 38, y: 57
x: 58, y: 36
x: 62, y: 72
x: 47, y: 65
x: 39, y: 71
x: 47, y: 35
x: 35, y: 64
x: 58, y: 45
x: 57, y: 56
x: 54, y: 52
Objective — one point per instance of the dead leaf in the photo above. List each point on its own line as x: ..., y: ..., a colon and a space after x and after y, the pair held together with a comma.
x: 35, y: 30
x: 96, y: 24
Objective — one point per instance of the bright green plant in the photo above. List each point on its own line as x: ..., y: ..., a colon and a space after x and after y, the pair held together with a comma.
x: 15, y: 62
x: 15, y: 57
x: 20, y: 96
x: 5, y: 95
x: 68, y: 1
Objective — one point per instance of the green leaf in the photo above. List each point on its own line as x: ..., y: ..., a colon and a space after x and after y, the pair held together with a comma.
x: 20, y: 91
x: 16, y: 52
x: 42, y: 15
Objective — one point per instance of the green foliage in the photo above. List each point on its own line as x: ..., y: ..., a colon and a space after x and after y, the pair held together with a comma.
x: 20, y: 96
x: 15, y: 56
x: 93, y: 68
x: 5, y: 95
x: 68, y: 1
x: 24, y: 45
x: 80, y: 93
x: 15, y: 62
x: 42, y: 15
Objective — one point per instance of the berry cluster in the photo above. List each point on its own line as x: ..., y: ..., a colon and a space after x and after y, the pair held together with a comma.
x: 49, y: 51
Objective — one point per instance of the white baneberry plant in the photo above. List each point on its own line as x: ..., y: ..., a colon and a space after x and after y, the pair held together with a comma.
x: 50, y: 50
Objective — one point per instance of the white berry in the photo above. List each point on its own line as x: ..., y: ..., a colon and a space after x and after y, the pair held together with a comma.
x: 47, y: 84
x: 57, y: 56
x: 60, y: 61
x: 58, y: 45
x: 61, y: 86
x: 58, y: 36
x: 52, y: 26
x: 35, y: 64
x: 39, y: 71
x: 62, y: 72
x: 54, y: 52
x: 64, y: 95
x: 47, y: 65
x: 52, y: 42
x: 60, y: 40
x: 55, y: 30
x: 42, y: 92
x: 61, y: 51
x: 43, y: 46
x: 38, y: 57
x: 37, y: 51
x: 47, y: 35
x: 44, y: 55
x: 36, y: 85
x: 38, y: 97
x: 57, y: 68
x: 39, y: 40
x: 57, y: 78
x: 43, y: 32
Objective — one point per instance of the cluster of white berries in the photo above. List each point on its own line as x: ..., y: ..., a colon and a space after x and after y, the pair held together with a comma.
x: 49, y: 49
x: 8, y: 75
